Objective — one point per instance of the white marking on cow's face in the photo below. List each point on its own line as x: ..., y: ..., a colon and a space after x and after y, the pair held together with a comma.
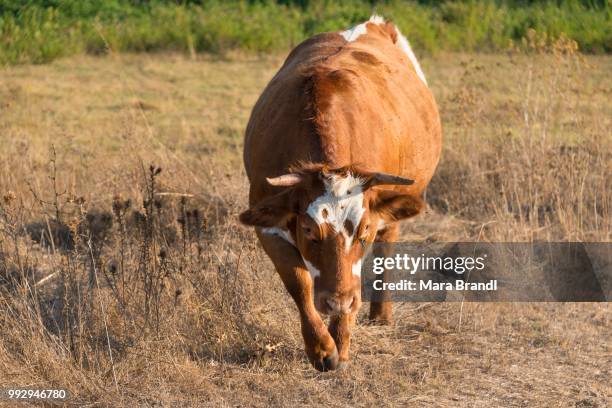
x: 314, y: 272
x: 341, y: 202
x: 357, y: 268
x: 279, y: 232
x: 286, y: 235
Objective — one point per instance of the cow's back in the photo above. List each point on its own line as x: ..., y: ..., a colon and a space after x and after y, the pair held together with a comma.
x: 342, y: 103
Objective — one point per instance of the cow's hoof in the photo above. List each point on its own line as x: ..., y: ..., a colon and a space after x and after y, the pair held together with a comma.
x: 380, y: 321
x: 328, y: 363
x: 342, y: 365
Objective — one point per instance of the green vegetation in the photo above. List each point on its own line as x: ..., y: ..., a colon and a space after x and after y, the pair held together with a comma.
x: 40, y: 30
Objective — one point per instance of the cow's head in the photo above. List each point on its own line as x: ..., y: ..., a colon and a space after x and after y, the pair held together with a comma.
x: 331, y: 217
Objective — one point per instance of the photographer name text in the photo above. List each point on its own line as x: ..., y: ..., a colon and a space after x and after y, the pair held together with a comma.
x: 408, y: 285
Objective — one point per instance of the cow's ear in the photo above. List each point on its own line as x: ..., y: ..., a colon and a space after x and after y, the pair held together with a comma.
x: 271, y: 211
x: 393, y: 206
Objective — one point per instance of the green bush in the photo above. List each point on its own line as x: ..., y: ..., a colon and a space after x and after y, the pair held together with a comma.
x: 37, y: 31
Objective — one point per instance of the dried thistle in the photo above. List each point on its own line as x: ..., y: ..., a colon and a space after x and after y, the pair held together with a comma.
x: 9, y: 197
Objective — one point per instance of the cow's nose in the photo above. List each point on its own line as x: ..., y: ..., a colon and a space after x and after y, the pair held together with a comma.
x: 340, y: 304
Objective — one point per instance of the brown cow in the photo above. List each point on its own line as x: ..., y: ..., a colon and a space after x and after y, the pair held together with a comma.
x: 339, y: 147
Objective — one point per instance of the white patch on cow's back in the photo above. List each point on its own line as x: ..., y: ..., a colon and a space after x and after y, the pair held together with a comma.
x: 279, y: 232
x: 404, y: 45
x: 376, y: 19
x: 355, y: 32
x: 342, y: 201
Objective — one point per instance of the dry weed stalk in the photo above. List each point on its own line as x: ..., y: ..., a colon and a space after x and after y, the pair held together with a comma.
x: 541, y: 180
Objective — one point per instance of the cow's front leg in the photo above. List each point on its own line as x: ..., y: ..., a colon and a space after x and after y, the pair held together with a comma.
x: 382, y: 311
x: 320, y: 346
x: 340, y: 327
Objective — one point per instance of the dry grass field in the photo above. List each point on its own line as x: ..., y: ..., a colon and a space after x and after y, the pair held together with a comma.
x: 125, y: 277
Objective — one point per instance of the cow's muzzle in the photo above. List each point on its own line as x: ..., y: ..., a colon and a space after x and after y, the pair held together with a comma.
x: 335, y: 304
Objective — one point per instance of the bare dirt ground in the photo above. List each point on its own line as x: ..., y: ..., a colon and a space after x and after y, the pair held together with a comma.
x: 131, y: 286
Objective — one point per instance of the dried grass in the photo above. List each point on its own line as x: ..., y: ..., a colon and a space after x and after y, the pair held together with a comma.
x: 130, y: 285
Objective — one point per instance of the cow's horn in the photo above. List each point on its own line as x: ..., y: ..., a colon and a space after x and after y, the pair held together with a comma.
x: 383, y: 178
x: 285, y: 180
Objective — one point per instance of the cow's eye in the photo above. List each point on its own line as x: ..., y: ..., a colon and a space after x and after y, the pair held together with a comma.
x: 310, y: 235
x: 364, y: 233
